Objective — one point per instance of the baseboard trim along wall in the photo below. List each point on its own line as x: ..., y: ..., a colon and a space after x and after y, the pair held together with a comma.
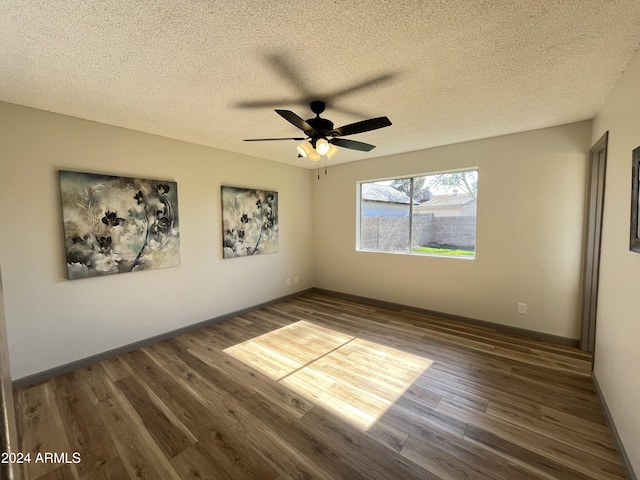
x: 616, y: 436
x: 85, y: 362
x: 545, y: 337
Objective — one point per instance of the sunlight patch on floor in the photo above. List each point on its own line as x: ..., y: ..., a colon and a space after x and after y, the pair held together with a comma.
x: 355, y: 379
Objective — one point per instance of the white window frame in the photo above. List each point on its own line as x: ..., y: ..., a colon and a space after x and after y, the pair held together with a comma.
x: 410, y: 250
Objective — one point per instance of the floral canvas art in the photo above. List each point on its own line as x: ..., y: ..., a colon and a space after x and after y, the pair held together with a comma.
x: 118, y: 224
x: 249, y: 222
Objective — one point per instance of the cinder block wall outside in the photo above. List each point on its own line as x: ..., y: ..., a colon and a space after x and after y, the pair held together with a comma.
x: 390, y: 233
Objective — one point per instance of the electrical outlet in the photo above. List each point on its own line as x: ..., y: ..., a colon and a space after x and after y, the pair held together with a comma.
x: 522, y: 308
x: 288, y: 282
x: 295, y: 280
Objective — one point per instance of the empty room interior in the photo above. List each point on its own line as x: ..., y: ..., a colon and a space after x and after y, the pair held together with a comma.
x: 377, y: 240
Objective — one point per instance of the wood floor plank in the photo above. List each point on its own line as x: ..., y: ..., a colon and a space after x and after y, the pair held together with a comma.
x: 199, y: 421
x: 494, y: 388
x: 422, y: 395
x: 370, y: 457
x: 62, y: 472
x: 452, y: 390
x: 83, y: 427
x: 313, y: 446
x: 116, y: 368
x: 166, y: 431
x: 204, y: 390
x: 281, y: 455
x: 475, y: 463
x: 214, y: 366
x: 94, y: 380
x: 569, y: 381
x: 41, y: 427
x: 235, y: 378
x: 269, y: 362
x: 447, y: 463
x: 344, y: 409
x: 506, y: 381
x: 323, y: 387
x: 335, y: 370
x: 518, y: 472
x: 524, y: 460
x: 229, y: 453
x: 407, y: 408
x: 566, y: 454
x: 572, y: 422
x: 141, y: 456
x: 530, y: 419
x: 387, y: 435
x: 193, y: 465
x: 489, y: 336
x: 111, y: 470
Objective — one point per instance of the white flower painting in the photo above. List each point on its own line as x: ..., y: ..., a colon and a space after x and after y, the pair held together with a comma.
x: 249, y: 222
x: 118, y: 224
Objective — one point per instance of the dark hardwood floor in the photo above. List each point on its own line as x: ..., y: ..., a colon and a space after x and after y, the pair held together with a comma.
x: 321, y: 387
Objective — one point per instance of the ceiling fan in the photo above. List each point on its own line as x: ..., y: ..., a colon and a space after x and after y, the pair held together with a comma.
x: 321, y: 137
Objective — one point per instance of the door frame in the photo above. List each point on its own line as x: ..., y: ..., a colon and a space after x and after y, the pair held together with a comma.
x: 591, y: 264
x: 8, y: 431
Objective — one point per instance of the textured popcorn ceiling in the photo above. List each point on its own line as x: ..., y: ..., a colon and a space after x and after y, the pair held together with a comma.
x: 443, y: 71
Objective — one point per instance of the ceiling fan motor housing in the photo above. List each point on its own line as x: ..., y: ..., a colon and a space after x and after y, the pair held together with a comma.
x: 322, y: 127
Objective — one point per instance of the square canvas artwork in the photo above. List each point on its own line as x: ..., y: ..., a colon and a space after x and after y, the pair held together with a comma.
x: 249, y: 222
x: 118, y: 224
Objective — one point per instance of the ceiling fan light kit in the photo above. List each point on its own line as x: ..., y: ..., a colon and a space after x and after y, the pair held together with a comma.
x: 332, y: 151
x: 305, y: 148
x: 318, y: 129
x: 322, y: 146
x: 314, y: 156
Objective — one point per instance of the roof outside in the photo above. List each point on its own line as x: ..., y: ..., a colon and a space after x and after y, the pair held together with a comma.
x: 374, y: 192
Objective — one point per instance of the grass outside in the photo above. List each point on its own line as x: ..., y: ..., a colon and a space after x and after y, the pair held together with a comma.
x: 443, y: 251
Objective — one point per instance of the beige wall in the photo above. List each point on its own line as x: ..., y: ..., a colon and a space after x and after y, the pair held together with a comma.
x: 530, y: 225
x: 52, y: 321
x: 617, y: 356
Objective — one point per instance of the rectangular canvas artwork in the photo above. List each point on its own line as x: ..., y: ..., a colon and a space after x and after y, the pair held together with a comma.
x: 249, y: 222
x: 118, y: 224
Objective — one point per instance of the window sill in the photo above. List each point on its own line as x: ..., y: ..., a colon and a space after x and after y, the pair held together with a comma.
x: 416, y: 254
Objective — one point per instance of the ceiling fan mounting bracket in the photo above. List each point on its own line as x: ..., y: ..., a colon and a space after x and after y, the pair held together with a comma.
x: 317, y: 107
x: 321, y: 126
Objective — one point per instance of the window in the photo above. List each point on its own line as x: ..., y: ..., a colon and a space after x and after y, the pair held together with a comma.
x: 431, y: 214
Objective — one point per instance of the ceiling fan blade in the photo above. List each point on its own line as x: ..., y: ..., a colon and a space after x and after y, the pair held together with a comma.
x: 352, y: 144
x: 294, y: 119
x: 269, y: 139
x: 363, y: 126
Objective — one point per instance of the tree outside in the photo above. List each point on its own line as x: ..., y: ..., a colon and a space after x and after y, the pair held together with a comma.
x: 442, y: 183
